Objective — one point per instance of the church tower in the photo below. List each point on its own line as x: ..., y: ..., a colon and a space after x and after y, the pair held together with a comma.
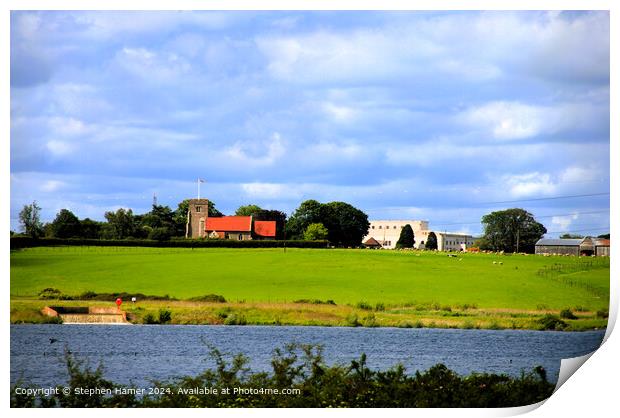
x: 197, y: 215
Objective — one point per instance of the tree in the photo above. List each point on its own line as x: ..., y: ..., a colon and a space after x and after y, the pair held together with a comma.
x: 29, y: 219
x: 346, y: 224
x: 247, y: 210
x: 310, y: 211
x: 120, y: 224
x: 159, y: 234
x: 571, y: 236
x: 65, y: 225
x: 431, y: 241
x: 90, y: 229
x: 316, y: 232
x: 406, y: 239
x: 483, y: 244
x: 512, y: 230
x: 605, y: 236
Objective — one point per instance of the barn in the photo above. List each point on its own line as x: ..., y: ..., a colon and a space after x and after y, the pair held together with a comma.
x: 558, y: 246
x: 573, y: 246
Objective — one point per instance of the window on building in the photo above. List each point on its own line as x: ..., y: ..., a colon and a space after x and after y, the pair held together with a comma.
x: 373, y: 227
x: 394, y: 227
x: 198, y: 208
x: 240, y: 237
x: 379, y: 226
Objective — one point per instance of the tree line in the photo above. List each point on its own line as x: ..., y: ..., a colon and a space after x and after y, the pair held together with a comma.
x: 510, y: 230
x: 339, y: 222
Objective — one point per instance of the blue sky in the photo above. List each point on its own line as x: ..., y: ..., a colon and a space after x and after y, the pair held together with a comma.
x: 406, y: 115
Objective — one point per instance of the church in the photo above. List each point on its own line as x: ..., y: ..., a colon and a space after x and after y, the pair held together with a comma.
x: 239, y: 228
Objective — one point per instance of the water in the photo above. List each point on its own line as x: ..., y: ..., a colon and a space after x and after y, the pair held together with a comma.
x: 139, y: 354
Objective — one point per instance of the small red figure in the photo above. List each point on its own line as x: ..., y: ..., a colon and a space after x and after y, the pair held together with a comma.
x: 118, y: 303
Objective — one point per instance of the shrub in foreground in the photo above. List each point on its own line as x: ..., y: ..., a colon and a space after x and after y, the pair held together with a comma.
x: 301, y: 367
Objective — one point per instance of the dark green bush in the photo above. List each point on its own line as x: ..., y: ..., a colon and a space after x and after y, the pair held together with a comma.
x: 150, y: 319
x: 209, y: 298
x: 159, y: 234
x: 364, y: 305
x: 352, y: 321
x: 301, y: 367
x: 235, y: 319
x: 110, y: 297
x: 603, y: 313
x: 50, y: 293
x: 315, y: 301
x: 567, y: 314
x: 551, y: 322
x: 25, y: 242
x: 165, y: 316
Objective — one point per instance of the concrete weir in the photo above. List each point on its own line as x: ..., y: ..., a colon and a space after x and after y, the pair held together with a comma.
x: 86, y: 314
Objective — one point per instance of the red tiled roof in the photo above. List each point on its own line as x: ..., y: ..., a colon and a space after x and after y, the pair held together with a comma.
x: 265, y: 228
x: 602, y: 242
x: 229, y: 224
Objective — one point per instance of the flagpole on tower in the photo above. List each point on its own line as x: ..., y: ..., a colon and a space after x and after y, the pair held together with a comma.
x: 199, y: 181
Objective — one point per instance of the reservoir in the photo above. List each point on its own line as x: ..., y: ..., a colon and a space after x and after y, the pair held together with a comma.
x: 139, y: 354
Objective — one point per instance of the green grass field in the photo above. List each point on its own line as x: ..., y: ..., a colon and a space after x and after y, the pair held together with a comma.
x: 345, y: 276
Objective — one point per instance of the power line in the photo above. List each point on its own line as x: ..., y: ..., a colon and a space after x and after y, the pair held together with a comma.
x: 537, y: 217
x: 546, y: 198
x: 578, y: 230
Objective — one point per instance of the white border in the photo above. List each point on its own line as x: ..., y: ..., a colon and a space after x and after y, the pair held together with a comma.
x: 592, y: 391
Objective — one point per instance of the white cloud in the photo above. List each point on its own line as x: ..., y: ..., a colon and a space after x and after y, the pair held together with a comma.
x: 59, y: 148
x: 530, y: 184
x: 577, y: 174
x: 67, y: 126
x: 564, y: 222
x: 266, y: 190
x: 506, y: 120
x: 152, y: 66
x: 257, y: 154
x: 52, y: 185
x: 339, y: 113
x: 515, y: 120
x: 102, y: 25
x: 328, y: 151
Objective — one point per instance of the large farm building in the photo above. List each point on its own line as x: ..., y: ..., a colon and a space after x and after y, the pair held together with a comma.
x: 385, y: 234
x: 579, y: 246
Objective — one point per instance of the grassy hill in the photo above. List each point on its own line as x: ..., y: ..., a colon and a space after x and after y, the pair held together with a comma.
x: 344, y: 276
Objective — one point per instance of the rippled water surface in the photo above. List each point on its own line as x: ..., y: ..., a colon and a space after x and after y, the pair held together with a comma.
x: 139, y: 354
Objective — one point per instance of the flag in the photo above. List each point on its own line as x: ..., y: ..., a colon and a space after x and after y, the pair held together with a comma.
x: 202, y: 180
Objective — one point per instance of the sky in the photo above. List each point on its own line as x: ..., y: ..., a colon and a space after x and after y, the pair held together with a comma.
x: 439, y: 116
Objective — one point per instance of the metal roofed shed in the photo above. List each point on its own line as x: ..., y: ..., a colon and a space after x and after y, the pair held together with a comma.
x: 583, y: 246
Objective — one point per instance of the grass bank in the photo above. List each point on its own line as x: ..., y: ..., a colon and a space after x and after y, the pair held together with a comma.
x: 367, y: 287
x: 263, y: 313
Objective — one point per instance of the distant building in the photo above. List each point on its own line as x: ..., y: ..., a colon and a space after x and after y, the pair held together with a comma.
x: 573, y: 246
x: 601, y: 246
x: 239, y: 228
x: 371, y: 243
x: 386, y: 234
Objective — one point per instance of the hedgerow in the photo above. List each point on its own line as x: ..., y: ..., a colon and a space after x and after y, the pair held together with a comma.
x: 26, y: 242
x: 301, y: 367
